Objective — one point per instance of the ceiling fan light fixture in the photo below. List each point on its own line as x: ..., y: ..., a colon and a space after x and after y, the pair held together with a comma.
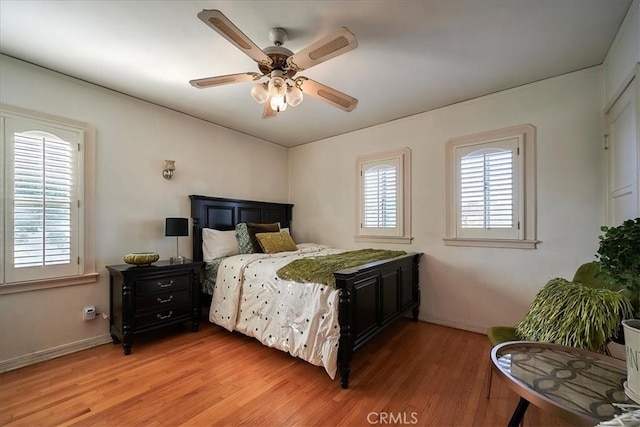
x: 260, y: 93
x: 294, y: 96
x: 280, y: 65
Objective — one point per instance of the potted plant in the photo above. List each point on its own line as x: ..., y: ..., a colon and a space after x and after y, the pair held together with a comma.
x: 619, y: 257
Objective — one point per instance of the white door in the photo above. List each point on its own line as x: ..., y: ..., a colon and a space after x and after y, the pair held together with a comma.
x: 623, y: 157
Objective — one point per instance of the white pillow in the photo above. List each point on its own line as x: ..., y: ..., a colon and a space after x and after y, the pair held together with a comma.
x: 216, y: 244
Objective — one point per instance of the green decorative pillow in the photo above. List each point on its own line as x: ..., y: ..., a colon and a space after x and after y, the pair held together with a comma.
x: 574, y: 315
x: 242, y: 236
x: 272, y: 243
x: 260, y: 228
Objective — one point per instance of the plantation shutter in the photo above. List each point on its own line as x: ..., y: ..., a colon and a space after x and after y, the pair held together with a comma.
x: 42, y: 229
x: 487, y: 190
x: 381, y: 197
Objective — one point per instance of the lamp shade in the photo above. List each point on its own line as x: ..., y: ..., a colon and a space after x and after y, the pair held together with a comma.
x: 176, y: 227
x: 260, y: 93
x: 294, y: 96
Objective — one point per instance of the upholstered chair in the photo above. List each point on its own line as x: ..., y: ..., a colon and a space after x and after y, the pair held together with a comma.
x: 587, y: 274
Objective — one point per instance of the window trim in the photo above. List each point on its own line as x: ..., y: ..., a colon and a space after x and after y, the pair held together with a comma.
x: 88, y: 270
x: 526, y: 191
x: 404, y: 236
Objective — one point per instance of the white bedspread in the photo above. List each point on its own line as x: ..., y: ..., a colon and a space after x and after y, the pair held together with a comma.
x: 299, y: 318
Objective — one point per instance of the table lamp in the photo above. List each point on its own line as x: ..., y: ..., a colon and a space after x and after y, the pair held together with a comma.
x: 176, y: 227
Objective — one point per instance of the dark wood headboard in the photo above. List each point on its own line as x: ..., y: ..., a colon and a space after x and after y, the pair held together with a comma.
x: 224, y: 214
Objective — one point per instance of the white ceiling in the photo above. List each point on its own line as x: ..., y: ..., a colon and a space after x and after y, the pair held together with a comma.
x: 412, y: 56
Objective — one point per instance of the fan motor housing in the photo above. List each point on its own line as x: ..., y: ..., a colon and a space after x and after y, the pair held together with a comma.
x: 278, y: 55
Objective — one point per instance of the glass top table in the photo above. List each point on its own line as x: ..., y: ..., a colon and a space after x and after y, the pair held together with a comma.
x: 577, y: 385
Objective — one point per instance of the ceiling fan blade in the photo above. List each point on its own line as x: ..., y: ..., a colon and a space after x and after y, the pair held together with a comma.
x: 268, y: 112
x: 326, y: 94
x: 223, y: 80
x: 223, y: 26
x: 328, y: 47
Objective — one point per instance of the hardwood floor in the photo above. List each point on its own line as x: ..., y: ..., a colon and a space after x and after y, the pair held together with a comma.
x: 426, y: 375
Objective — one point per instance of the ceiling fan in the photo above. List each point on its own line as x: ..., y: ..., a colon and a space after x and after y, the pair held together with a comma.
x: 281, y: 65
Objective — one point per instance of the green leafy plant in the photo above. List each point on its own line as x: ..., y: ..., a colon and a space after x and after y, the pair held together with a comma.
x: 619, y: 257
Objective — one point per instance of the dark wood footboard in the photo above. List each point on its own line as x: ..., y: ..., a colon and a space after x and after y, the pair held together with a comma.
x: 371, y: 297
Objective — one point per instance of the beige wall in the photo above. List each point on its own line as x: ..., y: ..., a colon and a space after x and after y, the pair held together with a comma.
x: 132, y: 198
x: 473, y: 288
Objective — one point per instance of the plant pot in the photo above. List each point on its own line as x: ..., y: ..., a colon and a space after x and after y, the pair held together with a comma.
x: 632, y: 347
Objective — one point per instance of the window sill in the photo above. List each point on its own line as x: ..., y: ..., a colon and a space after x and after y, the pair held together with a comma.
x: 12, y: 288
x: 383, y: 239
x: 492, y: 243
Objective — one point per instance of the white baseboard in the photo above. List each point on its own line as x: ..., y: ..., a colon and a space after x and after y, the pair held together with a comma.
x: 52, y: 353
x: 457, y: 325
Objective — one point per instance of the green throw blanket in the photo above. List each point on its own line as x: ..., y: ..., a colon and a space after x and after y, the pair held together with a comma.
x: 320, y: 269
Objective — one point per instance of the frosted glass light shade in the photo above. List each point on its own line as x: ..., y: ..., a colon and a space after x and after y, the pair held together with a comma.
x: 169, y: 167
x: 294, y: 96
x: 259, y: 93
x: 278, y: 103
x: 277, y: 86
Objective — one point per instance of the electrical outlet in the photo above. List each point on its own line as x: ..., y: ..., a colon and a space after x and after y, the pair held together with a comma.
x: 89, y: 312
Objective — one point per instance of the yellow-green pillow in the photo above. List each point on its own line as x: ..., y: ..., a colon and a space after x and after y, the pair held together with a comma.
x: 254, y: 228
x: 272, y: 243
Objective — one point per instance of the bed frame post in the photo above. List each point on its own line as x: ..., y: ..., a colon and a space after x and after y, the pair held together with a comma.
x: 416, y: 287
x: 345, y: 350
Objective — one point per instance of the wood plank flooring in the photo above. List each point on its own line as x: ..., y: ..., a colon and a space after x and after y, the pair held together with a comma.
x: 413, y: 374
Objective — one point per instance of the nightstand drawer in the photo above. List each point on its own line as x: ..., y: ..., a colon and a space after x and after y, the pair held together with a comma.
x: 164, y: 300
x: 160, y: 317
x: 164, y: 283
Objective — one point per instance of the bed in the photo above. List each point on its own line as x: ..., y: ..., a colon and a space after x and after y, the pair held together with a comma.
x: 368, y: 297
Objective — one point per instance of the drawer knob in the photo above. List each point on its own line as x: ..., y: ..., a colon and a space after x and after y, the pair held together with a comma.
x: 160, y: 317
x: 165, y: 284
x: 162, y: 301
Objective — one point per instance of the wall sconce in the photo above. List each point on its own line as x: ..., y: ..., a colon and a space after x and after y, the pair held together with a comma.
x: 169, y: 167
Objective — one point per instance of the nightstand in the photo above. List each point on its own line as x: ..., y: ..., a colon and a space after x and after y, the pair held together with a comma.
x: 153, y: 296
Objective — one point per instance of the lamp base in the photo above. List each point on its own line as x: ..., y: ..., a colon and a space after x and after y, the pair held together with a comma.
x: 177, y: 260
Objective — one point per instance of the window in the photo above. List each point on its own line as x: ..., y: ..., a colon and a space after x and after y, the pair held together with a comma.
x: 47, y: 170
x: 491, y: 189
x: 380, y: 196
x: 486, y: 175
x: 384, y: 197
